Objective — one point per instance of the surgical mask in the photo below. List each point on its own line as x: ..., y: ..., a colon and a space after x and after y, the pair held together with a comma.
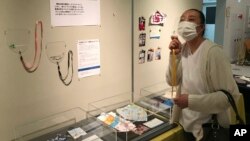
x: 187, y: 30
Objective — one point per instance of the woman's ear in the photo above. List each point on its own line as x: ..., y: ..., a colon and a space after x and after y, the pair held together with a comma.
x: 202, y: 26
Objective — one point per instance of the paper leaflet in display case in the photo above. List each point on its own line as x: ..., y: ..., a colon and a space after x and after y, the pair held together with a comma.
x: 129, y: 120
x: 70, y: 125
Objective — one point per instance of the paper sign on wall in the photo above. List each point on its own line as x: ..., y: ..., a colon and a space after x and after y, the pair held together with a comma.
x: 75, y: 12
x: 88, y: 58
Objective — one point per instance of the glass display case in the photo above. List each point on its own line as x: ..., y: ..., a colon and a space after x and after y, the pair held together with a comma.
x: 130, y: 121
x: 70, y: 125
x: 115, y: 118
x: 158, y: 99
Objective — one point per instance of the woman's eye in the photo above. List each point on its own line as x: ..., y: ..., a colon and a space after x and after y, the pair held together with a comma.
x: 191, y: 20
x: 182, y: 19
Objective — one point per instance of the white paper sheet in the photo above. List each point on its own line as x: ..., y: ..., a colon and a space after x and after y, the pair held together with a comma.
x: 92, y: 138
x: 88, y: 58
x: 77, y: 132
x: 75, y: 12
x: 153, y: 123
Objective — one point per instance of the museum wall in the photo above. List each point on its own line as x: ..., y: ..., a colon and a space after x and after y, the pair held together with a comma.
x: 27, y: 97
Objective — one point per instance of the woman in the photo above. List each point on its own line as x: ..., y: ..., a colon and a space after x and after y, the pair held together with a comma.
x: 202, y: 71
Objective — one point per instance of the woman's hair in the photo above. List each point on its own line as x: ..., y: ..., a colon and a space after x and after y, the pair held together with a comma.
x: 202, y: 18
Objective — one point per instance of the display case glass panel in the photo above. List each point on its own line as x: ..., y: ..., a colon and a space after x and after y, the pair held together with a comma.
x: 129, y: 121
x: 70, y: 125
x: 158, y: 99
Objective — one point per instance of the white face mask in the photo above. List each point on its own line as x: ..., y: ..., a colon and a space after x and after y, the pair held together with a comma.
x: 187, y: 30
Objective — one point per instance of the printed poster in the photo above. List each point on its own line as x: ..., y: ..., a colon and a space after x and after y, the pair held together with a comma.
x: 88, y: 58
x: 74, y: 12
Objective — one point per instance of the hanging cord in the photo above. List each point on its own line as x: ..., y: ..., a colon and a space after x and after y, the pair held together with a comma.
x: 173, y: 81
x: 173, y: 77
x: 63, y: 79
x: 33, y: 67
x: 173, y: 70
